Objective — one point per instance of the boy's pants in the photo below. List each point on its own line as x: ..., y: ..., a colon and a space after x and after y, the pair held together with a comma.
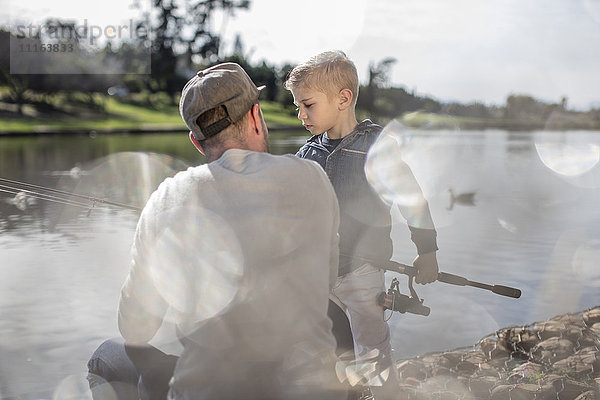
x: 356, y: 293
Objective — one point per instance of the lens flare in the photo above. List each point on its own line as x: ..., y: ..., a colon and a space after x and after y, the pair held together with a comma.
x: 568, y: 154
x: 567, y: 251
x: 585, y: 263
x: 73, y: 387
x: 129, y: 177
x: 126, y: 177
x: 209, y: 260
x: 389, y: 170
x: 388, y: 173
x: 100, y: 389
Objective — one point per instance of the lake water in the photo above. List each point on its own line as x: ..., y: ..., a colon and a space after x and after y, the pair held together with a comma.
x: 534, y: 224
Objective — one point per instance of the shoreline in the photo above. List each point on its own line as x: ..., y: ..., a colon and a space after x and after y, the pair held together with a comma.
x: 116, y: 131
x: 281, y: 128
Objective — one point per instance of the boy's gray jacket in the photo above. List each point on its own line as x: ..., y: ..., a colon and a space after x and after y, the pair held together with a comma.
x: 365, y: 221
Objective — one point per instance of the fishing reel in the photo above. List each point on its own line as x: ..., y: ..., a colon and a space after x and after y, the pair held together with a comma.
x: 396, y: 301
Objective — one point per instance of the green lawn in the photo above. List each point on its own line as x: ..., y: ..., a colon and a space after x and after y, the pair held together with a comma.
x: 120, y: 115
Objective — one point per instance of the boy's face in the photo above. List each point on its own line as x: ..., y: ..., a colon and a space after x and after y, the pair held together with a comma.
x: 316, y: 110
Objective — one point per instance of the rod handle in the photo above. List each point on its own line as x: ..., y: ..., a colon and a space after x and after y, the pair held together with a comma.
x: 452, y: 279
x: 506, y: 291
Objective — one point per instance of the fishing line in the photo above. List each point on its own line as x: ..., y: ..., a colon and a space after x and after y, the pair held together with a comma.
x: 41, y: 196
x: 49, y: 197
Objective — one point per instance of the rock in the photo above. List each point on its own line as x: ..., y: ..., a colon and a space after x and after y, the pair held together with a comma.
x: 501, y: 392
x: 406, y: 392
x: 453, y: 357
x: 444, y: 387
x: 519, y: 341
x: 550, y: 379
x: 476, y: 357
x: 414, y: 382
x: 528, y: 373
x: 569, y: 389
x: 558, y: 359
x: 412, y: 369
x: 582, y: 363
x: 487, y: 370
x: 493, y: 349
x: 522, y: 391
x: 591, y: 338
x: 467, y: 368
x: 568, y: 327
x: 551, y: 350
x: 440, y: 370
x: 589, y: 395
x: 432, y: 360
x: 481, y: 387
x: 591, y: 316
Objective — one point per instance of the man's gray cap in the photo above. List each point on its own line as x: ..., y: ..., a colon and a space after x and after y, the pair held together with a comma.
x: 225, y: 85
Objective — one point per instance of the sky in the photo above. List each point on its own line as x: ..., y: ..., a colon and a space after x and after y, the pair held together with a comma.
x: 459, y: 50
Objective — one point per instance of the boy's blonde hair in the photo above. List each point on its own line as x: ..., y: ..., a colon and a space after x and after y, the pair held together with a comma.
x: 328, y: 72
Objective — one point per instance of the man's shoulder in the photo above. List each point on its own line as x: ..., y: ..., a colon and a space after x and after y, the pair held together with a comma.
x: 297, y: 163
x: 304, y: 167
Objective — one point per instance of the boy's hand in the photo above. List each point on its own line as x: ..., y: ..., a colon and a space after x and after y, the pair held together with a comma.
x: 427, y: 268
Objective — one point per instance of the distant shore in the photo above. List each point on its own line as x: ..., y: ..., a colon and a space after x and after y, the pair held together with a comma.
x: 123, y: 118
x: 558, y: 122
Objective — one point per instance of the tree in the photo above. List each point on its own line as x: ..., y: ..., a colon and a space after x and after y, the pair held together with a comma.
x: 181, y: 36
x: 262, y: 74
x: 523, y: 107
x: 379, y: 75
x: 15, y: 85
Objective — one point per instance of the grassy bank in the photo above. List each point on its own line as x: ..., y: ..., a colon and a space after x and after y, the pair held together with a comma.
x: 556, y: 121
x: 110, y: 114
x: 115, y: 115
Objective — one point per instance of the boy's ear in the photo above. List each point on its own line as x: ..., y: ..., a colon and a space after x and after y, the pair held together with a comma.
x: 345, y: 97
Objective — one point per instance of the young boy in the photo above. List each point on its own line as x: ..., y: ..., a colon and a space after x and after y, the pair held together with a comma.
x: 325, y: 90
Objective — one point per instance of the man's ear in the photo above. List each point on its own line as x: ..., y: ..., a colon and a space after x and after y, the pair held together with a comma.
x: 256, y: 118
x: 345, y: 97
x: 196, y: 144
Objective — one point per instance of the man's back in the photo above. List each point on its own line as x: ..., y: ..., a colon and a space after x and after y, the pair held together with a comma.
x: 243, y: 250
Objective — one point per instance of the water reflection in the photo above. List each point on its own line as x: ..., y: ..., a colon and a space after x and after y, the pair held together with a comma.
x: 463, y: 199
x: 532, y: 222
x: 506, y: 206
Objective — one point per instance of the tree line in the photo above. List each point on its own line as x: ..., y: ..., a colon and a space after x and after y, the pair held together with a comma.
x: 177, y: 40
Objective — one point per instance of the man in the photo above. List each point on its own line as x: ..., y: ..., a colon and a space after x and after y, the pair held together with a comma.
x: 241, y: 255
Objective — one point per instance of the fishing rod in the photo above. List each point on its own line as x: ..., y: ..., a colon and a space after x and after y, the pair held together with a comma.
x: 396, y: 301
x: 455, y: 280
x: 22, y: 190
